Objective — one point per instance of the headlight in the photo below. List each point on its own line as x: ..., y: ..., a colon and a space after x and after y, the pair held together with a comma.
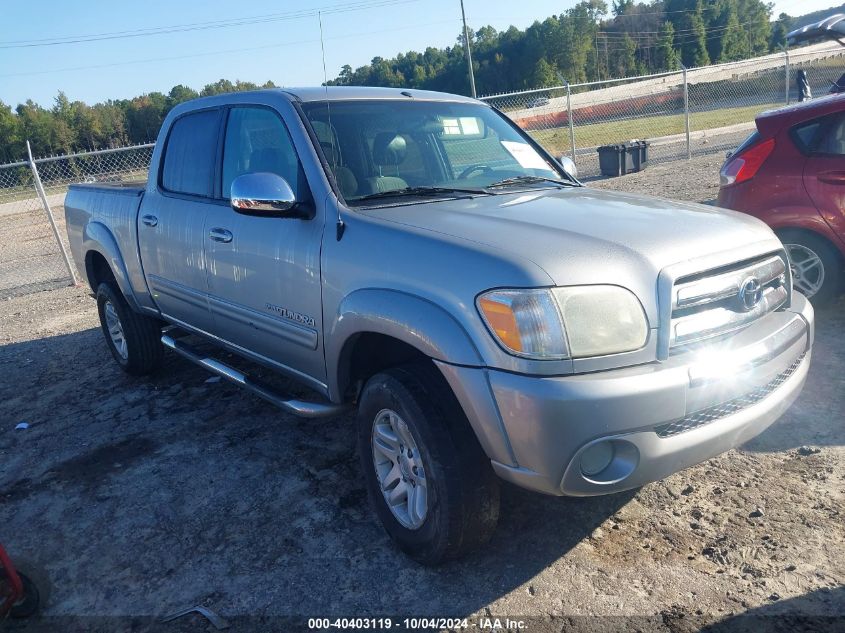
x: 571, y: 322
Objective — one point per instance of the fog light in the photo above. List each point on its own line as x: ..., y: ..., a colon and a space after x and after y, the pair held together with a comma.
x: 596, y: 458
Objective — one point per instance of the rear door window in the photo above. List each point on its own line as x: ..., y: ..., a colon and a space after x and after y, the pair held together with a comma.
x: 833, y: 140
x: 805, y: 135
x: 190, y: 154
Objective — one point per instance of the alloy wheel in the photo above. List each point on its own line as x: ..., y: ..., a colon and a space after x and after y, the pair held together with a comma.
x: 399, y: 468
x: 115, y: 329
x: 807, y: 269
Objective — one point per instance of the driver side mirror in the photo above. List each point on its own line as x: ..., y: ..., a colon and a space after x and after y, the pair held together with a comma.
x: 262, y: 194
x: 568, y: 166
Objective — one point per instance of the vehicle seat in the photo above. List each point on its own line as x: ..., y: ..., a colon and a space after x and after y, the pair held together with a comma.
x: 389, y: 150
x: 346, y: 180
x: 835, y: 142
x: 275, y: 161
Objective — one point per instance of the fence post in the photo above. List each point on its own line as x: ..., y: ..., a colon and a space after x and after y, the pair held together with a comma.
x: 686, y: 111
x: 786, y: 53
x: 39, y: 188
x: 569, y: 120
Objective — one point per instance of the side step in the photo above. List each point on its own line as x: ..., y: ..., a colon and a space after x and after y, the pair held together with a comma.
x: 297, y: 407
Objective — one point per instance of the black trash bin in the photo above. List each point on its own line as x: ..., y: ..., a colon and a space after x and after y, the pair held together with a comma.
x: 624, y: 158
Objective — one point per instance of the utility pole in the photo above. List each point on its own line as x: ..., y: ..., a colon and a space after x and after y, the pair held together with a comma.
x: 469, y: 54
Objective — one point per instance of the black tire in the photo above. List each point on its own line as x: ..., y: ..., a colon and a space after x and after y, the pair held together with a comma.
x: 463, y: 492
x: 142, y: 334
x: 831, y: 260
x: 36, y: 589
x: 31, y: 601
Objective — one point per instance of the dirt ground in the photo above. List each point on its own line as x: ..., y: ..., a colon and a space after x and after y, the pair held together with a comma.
x: 139, y: 497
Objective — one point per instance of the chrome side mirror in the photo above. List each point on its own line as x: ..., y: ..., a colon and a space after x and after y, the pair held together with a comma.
x: 568, y: 166
x: 261, y: 193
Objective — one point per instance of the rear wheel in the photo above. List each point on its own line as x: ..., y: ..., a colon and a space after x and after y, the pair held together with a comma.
x: 817, y: 268
x: 134, y: 340
x: 430, y: 482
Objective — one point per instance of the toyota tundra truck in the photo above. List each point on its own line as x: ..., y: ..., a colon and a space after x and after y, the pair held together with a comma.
x: 418, y: 257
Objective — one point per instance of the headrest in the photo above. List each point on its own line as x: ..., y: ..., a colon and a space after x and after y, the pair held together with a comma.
x: 330, y: 152
x: 271, y: 159
x: 389, y: 148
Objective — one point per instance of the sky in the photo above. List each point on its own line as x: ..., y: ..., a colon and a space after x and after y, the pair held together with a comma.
x: 284, y: 47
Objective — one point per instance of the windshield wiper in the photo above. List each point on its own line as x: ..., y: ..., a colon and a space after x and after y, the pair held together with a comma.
x: 417, y: 191
x: 529, y: 180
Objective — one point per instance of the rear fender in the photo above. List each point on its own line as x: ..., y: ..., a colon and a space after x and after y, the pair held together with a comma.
x: 98, y: 238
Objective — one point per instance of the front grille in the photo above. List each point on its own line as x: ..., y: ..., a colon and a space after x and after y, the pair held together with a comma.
x: 718, y: 411
x: 727, y: 299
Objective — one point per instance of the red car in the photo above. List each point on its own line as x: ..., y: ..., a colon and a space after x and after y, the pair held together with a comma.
x: 790, y: 173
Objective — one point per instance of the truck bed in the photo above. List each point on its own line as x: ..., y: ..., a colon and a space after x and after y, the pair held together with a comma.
x: 129, y: 187
x: 107, y: 213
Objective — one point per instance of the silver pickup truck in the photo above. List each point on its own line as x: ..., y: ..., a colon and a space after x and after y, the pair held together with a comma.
x: 418, y: 256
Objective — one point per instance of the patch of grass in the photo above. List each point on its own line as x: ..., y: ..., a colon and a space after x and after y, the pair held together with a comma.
x: 557, y: 139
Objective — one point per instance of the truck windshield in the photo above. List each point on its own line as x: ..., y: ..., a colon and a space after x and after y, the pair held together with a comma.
x: 383, y: 149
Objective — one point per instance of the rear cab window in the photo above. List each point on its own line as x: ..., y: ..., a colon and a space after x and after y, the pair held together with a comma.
x: 190, y: 154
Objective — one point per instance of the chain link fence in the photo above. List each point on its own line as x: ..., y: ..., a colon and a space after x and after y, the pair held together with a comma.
x: 683, y: 113
x: 32, y: 258
x: 680, y: 114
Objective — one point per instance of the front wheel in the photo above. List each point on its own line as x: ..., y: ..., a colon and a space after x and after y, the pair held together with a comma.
x: 817, y: 268
x: 430, y: 482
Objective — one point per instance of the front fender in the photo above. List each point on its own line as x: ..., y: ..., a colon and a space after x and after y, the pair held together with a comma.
x: 405, y: 317
x: 434, y: 332
x: 98, y: 238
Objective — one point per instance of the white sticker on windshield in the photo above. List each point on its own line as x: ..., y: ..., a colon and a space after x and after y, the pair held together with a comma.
x: 461, y: 126
x: 525, y: 155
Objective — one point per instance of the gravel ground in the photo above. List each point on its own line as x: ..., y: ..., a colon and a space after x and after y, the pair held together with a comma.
x: 139, y: 497
x: 696, y: 180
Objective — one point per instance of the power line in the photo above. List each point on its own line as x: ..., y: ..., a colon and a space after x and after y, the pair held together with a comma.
x: 221, y: 52
x: 646, y: 34
x: 203, y: 26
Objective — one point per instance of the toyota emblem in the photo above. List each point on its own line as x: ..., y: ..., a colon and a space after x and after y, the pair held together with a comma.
x: 750, y: 293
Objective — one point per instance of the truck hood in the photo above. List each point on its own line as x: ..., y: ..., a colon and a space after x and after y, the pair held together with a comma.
x: 585, y: 236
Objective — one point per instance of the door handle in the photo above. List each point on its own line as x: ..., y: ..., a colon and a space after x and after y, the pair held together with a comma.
x: 832, y: 177
x: 220, y: 235
x: 150, y: 220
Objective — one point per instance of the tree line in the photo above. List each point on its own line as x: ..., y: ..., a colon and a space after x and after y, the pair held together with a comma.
x: 72, y: 126
x: 588, y: 42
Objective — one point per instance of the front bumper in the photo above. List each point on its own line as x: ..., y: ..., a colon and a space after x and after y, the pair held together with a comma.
x: 660, y: 417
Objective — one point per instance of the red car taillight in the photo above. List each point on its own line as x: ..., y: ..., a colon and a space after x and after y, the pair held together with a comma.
x: 745, y: 165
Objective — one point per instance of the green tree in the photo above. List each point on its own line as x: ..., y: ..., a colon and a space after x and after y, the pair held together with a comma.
x: 621, y: 7
x: 666, y: 57
x: 544, y: 75
x: 754, y: 19
x: 179, y: 94
x: 12, y: 146
x: 623, y: 62
x: 694, y: 40
x: 777, y: 41
x: 733, y: 41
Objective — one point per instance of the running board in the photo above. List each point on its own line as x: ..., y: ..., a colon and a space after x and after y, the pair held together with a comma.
x: 296, y: 407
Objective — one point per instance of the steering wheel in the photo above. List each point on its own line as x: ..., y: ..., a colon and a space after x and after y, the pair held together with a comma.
x: 474, y: 168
